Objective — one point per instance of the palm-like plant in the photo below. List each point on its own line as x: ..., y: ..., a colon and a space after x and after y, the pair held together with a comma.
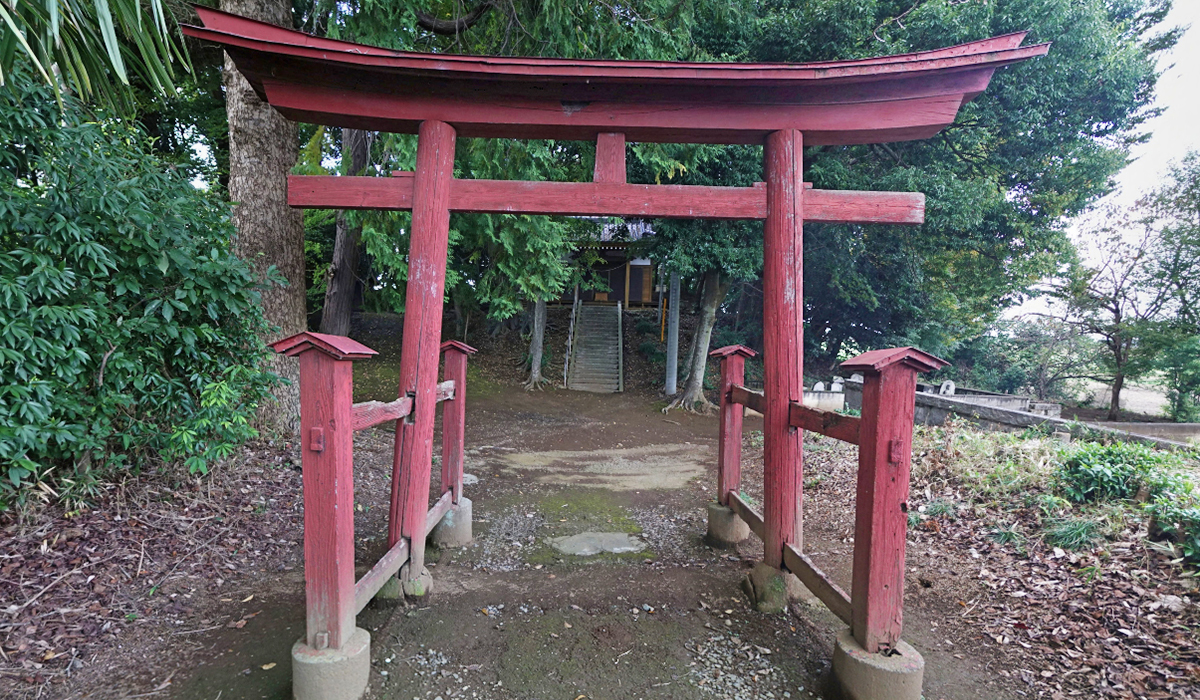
x: 95, y: 48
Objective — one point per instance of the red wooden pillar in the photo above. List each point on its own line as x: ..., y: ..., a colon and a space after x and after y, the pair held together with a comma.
x: 454, y: 415
x: 729, y: 443
x: 881, y: 503
x: 783, y: 341
x: 327, y: 460
x: 422, y: 337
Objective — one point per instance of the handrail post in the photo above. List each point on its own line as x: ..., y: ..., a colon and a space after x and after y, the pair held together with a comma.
x: 729, y: 442
x: 881, y: 503
x: 725, y: 526
x: 453, y: 529
x: 454, y: 414
x: 334, y: 650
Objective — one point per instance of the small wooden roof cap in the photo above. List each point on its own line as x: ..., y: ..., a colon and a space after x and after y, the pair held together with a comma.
x: 459, y: 346
x: 732, y: 350
x: 877, y: 360
x: 337, y: 346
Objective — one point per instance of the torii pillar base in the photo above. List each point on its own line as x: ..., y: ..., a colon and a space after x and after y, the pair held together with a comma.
x: 860, y: 675
x: 332, y: 674
x: 454, y: 529
x: 725, y: 527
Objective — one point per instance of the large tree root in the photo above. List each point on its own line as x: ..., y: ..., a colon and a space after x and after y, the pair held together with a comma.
x: 536, y: 384
x: 692, y: 404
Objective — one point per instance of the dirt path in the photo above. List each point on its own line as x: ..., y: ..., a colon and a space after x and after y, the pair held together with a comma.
x: 512, y: 618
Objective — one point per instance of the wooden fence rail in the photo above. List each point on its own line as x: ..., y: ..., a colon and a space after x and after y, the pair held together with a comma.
x: 874, y: 608
x: 328, y: 421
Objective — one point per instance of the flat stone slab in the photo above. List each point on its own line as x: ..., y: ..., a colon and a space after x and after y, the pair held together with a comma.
x: 669, y: 466
x: 587, y: 544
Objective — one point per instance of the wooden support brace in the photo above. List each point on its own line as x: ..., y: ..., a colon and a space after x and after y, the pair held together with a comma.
x: 603, y: 198
x: 834, y: 425
x: 816, y: 581
x: 610, y: 158
x: 384, y: 569
x: 754, y: 400
x: 746, y: 513
x: 371, y: 413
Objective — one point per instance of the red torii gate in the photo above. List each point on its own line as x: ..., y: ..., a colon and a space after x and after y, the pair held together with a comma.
x: 783, y: 106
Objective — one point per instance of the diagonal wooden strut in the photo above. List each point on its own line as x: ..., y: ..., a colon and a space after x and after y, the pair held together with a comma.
x: 604, y: 199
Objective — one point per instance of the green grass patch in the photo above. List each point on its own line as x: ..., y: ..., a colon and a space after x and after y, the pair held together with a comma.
x: 1074, y: 532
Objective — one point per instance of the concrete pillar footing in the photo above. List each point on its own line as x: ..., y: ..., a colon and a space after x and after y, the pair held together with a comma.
x: 454, y: 529
x: 415, y: 586
x: 770, y: 590
x: 332, y: 674
x: 725, y: 528
x: 862, y: 676
x: 391, y: 590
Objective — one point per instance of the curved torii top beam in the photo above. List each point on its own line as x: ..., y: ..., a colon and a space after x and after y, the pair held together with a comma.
x: 337, y: 83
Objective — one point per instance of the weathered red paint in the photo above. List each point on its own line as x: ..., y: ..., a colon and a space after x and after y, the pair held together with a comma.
x: 841, y: 102
x: 838, y: 102
x: 336, y: 346
x: 602, y: 198
x: 454, y: 415
x: 422, y: 337
x: 881, y: 501
x: 834, y: 425
x: 783, y: 342
x: 729, y: 442
x: 610, y: 158
x: 326, y: 457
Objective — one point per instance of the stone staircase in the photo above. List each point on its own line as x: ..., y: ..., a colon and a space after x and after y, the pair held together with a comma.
x: 596, y: 363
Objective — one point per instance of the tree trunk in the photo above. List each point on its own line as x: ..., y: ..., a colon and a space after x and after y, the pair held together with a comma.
x: 1114, y: 405
x: 693, y: 399
x: 262, y: 150
x: 343, y: 271
x: 536, y: 342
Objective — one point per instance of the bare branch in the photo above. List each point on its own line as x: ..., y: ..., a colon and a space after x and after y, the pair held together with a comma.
x: 456, y: 26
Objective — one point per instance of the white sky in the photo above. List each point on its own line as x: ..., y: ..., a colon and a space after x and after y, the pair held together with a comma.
x: 1173, y: 133
x: 1178, y: 129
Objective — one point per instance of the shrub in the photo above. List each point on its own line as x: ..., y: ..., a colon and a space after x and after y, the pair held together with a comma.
x: 1177, y: 518
x: 647, y: 327
x: 652, y: 352
x: 128, y: 330
x: 1095, y: 472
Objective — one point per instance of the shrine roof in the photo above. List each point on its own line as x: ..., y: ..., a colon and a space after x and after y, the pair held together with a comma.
x: 340, y: 83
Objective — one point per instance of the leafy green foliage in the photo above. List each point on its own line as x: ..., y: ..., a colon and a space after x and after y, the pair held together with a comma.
x: 1043, y: 358
x: 129, y: 330
x: 96, y: 48
x: 1038, y: 146
x: 1095, y: 472
x: 497, y: 263
x: 1179, y: 363
x: 1177, y: 518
